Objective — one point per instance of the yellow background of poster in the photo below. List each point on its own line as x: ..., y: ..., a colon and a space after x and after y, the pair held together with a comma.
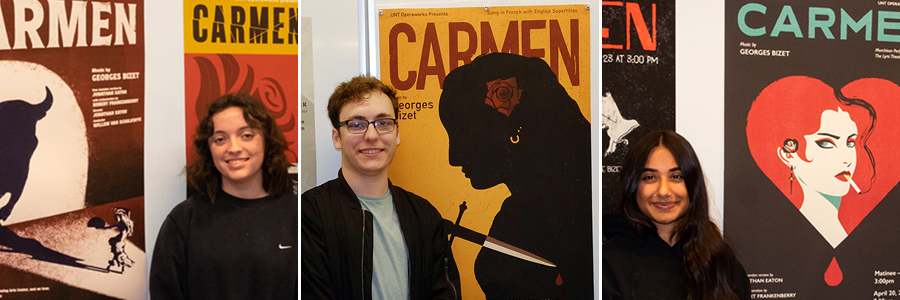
x: 421, y: 163
x: 286, y: 18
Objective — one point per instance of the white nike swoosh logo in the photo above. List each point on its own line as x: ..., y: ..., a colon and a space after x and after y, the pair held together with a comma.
x: 284, y: 247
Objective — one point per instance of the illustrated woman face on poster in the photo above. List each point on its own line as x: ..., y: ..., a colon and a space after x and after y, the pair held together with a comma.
x: 802, y: 130
x: 830, y: 157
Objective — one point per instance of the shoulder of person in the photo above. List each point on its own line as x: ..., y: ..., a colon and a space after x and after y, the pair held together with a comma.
x: 323, y: 191
x: 615, y: 225
x: 183, y: 212
x: 196, y: 201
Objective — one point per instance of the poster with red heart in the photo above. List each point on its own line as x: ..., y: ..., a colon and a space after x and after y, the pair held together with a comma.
x: 812, y: 105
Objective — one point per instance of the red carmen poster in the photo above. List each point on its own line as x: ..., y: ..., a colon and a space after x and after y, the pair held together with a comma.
x: 495, y: 122
x: 71, y: 121
x: 811, y: 108
x: 255, y: 55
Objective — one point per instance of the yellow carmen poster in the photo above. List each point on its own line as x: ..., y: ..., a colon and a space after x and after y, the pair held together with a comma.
x: 236, y: 46
x: 495, y: 130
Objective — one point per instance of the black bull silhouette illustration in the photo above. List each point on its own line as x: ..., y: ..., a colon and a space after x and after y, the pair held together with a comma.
x: 18, y: 121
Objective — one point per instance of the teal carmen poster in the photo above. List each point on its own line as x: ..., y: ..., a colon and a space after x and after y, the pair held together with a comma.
x: 812, y: 105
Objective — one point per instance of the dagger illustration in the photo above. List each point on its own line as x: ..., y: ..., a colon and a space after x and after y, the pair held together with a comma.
x: 494, y: 244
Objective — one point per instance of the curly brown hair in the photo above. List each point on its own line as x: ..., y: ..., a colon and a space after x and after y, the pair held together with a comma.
x: 355, y: 90
x: 202, y: 173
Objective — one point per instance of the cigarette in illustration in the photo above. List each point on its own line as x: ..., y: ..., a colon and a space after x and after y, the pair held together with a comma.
x: 853, y: 184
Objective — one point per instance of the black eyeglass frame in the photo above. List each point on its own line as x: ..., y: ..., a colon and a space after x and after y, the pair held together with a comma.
x: 392, y: 128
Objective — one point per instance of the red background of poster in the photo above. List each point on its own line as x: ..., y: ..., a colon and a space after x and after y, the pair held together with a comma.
x: 274, y: 77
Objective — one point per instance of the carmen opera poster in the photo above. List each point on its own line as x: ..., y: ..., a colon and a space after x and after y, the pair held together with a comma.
x: 242, y: 47
x: 638, y: 42
x: 71, y: 121
x: 495, y: 126
x: 812, y: 103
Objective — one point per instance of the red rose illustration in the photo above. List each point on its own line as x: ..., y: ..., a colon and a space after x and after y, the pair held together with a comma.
x: 503, y: 95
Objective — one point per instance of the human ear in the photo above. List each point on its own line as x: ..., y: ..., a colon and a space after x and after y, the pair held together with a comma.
x: 336, y: 138
x: 786, y: 157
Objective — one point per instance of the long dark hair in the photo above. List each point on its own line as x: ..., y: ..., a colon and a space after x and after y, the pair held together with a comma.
x: 707, y: 258
x: 202, y: 173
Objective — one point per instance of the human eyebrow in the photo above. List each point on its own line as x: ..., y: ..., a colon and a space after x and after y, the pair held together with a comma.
x: 830, y: 135
x: 248, y: 127
x: 384, y: 115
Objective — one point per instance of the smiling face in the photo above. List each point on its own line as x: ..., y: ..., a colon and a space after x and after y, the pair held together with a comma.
x: 662, y: 194
x: 830, y: 154
x: 367, y: 154
x: 237, y: 149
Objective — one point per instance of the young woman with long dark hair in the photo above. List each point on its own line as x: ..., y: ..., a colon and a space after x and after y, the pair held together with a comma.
x: 662, y: 244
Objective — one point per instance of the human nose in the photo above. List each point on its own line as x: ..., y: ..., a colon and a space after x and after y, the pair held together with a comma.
x: 234, y: 145
x: 664, y: 188
x: 371, y: 133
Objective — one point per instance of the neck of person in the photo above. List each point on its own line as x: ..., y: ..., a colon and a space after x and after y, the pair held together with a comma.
x: 369, y: 185
x: 666, y: 231
x: 250, y: 189
x: 822, y: 212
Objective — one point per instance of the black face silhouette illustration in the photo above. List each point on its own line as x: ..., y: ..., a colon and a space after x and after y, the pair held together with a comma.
x: 510, y: 121
x: 18, y: 121
x: 477, y: 145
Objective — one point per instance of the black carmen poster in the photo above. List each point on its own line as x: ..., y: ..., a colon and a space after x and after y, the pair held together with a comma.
x: 811, y: 110
x: 638, y: 93
x: 71, y: 150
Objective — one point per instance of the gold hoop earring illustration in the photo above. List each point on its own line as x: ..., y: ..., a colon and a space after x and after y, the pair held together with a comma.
x: 516, y: 140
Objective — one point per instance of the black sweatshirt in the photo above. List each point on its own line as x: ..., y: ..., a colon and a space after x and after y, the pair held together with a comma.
x: 233, y: 249
x: 644, y: 266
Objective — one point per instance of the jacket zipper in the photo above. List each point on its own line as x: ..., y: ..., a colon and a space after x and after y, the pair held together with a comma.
x: 447, y: 276
x: 362, y: 265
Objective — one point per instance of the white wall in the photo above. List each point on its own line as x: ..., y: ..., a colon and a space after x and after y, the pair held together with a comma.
x: 336, y: 58
x: 700, y: 89
x: 164, y: 185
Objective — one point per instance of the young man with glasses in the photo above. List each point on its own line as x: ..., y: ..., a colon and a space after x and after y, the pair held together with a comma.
x: 361, y: 236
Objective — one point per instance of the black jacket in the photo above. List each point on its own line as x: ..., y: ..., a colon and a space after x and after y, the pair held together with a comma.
x: 336, y: 242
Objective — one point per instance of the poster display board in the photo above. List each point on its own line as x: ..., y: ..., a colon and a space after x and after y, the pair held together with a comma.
x: 495, y: 127
x: 811, y: 106
x: 71, y: 117
x: 638, y: 96
x: 233, y: 46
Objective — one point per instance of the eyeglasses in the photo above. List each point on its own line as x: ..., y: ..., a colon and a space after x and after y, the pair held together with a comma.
x: 360, y: 125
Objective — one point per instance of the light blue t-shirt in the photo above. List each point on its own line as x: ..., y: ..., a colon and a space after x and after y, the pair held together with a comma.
x: 390, y: 260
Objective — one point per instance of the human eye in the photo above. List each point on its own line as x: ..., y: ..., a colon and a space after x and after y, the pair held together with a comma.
x: 648, y: 177
x: 218, y: 140
x: 677, y: 177
x: 247, y: 136
x: 355, y: 124
x: 851, y: 142
x: 825, y: 143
